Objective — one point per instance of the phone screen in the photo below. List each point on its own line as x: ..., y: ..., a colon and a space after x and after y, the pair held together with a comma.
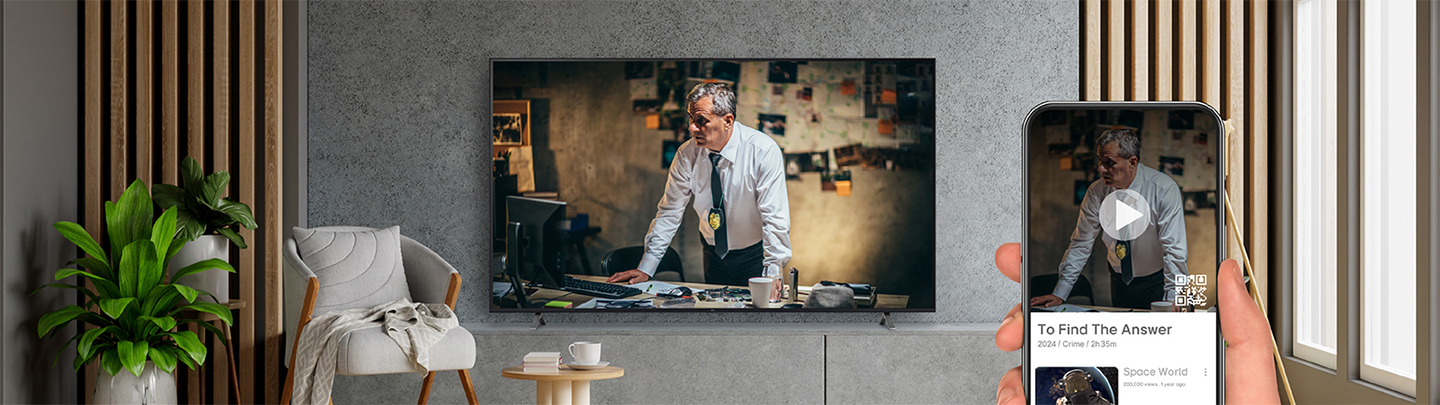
x: 1123, y: 233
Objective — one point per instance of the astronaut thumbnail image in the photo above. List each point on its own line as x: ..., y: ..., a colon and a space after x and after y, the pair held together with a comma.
x: 1076, y: 385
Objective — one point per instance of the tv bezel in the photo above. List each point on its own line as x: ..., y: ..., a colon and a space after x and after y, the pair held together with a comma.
x: 934, y: 201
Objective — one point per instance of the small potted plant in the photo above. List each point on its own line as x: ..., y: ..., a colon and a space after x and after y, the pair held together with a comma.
x: 208, y: 221
x: 134, y: 308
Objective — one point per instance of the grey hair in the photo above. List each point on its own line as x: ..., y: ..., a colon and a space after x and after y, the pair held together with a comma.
x: 722, y: 98
x: 1125, y: 140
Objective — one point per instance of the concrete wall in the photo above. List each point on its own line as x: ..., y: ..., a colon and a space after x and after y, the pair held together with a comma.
x: 399, y: 95
x: 40, y: 186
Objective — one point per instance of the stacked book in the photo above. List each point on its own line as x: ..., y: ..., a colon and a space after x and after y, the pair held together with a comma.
x: 542, y: 362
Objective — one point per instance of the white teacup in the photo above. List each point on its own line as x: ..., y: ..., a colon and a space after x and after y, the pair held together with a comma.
x: 760, y: 288
x: 585, y: 353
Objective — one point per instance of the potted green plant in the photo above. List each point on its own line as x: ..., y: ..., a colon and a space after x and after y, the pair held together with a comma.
x: 206, y: 220
x: 138, y: 307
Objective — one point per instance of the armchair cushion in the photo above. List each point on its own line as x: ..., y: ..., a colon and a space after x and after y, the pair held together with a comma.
x: 370, y: 351
x: 356, y: 268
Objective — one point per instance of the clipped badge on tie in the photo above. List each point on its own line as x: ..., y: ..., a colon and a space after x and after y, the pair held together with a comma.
x: 1120, y: 251
x: 716, y: 218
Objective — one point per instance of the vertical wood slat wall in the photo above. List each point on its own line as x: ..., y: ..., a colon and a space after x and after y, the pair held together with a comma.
x: 1203, y: 50
x: 207, y: 77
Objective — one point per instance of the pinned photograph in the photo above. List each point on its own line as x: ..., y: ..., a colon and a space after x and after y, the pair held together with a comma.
x: 772, y: 124
x: 796, y: 163
x: 647, y: 107
x: 509, y: 129
x: 1062, y: 150
x: 1131, y: 118
x: 1202, y: 139
x: 1181, y: 119
x: 1172, y: 165
x: 727, y: 71
x: 639, y: 70
x: 807, y: 94
x: 783, y: 72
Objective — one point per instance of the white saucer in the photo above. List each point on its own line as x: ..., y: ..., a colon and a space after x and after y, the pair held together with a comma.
x: 583, y: 367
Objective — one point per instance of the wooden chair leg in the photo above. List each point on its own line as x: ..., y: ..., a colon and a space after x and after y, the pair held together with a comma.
x: 425, y: 389
x: 469, y: 387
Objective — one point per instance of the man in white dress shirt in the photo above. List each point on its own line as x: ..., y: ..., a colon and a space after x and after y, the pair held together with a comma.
x: 736, y: 177
x: 1144, y: 269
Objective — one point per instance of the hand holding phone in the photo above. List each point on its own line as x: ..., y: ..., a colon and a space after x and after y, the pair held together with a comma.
x: 1251, y: 372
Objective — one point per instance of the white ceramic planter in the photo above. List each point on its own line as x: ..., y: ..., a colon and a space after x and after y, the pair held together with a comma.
x: 214, y: 281
x: 151, y: 387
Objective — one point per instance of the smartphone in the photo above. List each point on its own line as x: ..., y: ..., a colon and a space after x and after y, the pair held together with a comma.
x: 1124, y: 231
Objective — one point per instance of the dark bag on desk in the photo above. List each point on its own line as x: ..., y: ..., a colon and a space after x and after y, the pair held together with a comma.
x: 831, y: 296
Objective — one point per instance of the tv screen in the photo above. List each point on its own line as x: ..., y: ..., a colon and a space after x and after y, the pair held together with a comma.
x: 713, y: 185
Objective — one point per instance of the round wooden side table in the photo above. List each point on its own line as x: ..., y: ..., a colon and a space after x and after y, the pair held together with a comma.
x: 566, y: 387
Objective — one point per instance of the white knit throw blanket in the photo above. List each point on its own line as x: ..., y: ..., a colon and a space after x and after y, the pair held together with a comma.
x: 414, y: 326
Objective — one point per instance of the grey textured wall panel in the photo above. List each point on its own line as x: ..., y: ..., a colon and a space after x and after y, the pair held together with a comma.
x: 399, y: 91
x: 910, y: 369
x: 688, y: 368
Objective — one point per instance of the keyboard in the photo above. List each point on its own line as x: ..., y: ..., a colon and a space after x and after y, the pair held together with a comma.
x: 597, y: 289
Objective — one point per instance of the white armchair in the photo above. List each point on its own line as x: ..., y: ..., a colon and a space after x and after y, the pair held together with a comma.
x: 371, y: 351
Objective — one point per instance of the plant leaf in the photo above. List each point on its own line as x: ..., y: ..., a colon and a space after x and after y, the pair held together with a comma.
x: 77, y: 235
x: 167, y: 196
x: 166, y: 323
x: 114, y: 307
x: 219, y: 310
x: 234, y: 237
x: 97, y: 266
x: 175, y: 246
x: 130, y: 219
x: 133, y: 354
x: 187, y: 226
x: 204, y: 324
x: 87, y: 341
x: 81, y: 361
x: 187, y: 292
x: 164, y: 359
x: 63, y: 273
x: 129, y: 270
x: 88, y: 294
x: 191, y: 176
x: 201, y: 266
x: 182, y: 356
x: 215, y: 189
x: 163, y: 233
x: 239, y: 212
x: 147, y: 267
x: 187, y: 341
x: 59, y: 317
x: 110, y: 361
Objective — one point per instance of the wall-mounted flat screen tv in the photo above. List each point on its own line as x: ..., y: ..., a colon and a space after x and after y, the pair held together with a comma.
x: 713, y: 185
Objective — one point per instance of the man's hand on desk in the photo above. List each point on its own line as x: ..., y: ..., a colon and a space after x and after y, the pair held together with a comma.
x: 629, y: 277
x: 1048, y: 300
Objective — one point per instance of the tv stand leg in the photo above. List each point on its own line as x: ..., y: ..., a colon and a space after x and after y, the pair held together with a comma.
x: 887, y: 321
x: 540, y: 321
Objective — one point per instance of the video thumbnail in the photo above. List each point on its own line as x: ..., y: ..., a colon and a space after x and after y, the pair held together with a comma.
x: 1076, y: 385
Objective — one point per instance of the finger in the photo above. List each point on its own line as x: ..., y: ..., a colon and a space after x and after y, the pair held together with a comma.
x: 1011, y: 390
x: 1249, y: 362
x: 1007, y: 259
x: 1011, y: 333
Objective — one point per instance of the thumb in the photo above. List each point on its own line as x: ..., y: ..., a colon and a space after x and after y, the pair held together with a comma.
x: 1249, y: 362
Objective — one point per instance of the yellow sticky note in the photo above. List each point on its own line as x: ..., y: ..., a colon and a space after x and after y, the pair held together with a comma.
x: 847, y: 87
x: 1066, y: 163
x: 842, y: 188
x: 887, y: 127
x: 652, y: 121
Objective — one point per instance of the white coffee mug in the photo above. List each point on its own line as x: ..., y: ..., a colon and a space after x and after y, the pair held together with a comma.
x: 587, y: 355
x: 760, y: 291
x: 1162, y: 306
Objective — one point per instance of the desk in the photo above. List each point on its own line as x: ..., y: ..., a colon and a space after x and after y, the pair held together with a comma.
x: 1097, y: 308
x: 565, y: 387
x: 884, y: 300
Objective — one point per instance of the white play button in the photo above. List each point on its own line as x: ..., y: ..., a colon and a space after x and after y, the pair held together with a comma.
x: 1124, y: 215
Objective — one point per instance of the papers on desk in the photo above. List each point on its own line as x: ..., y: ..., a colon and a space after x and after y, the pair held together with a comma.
x: 606, y: 303
x: 654, y: 287
x: 499, y: 289
x: 1066, y: 308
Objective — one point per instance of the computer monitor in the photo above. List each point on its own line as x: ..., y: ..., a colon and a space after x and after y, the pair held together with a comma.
x: 535, y: 253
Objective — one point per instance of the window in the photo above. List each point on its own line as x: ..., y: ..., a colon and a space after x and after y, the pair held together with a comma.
x: 1387, y: 187
x: 1315, y: 182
